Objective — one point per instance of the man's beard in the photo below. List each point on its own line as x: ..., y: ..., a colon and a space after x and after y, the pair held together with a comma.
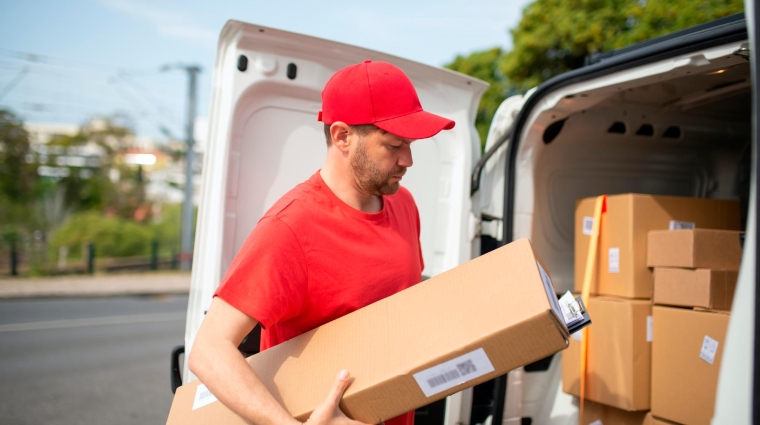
x: 369, y: 177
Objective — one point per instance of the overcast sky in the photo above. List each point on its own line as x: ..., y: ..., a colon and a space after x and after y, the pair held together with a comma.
x: 102, y: 56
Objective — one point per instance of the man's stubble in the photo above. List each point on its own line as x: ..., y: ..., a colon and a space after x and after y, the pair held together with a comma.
x: 369, y: 177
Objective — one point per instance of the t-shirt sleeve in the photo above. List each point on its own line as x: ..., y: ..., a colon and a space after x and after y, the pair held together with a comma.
x: 267, y: 280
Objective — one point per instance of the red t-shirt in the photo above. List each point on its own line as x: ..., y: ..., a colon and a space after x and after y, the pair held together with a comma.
x: 312, y: 259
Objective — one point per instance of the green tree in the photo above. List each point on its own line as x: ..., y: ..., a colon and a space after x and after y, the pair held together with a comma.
x: 555, y: 36
x: 485, y: 66
x: 18, y: 179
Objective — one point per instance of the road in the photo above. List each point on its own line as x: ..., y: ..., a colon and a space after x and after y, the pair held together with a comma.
x: 88, y: 360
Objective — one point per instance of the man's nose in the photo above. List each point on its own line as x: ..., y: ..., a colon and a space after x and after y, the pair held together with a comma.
x: 405, y: 160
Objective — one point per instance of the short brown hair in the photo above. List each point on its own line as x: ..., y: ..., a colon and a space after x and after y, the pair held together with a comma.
x: 362, y: 129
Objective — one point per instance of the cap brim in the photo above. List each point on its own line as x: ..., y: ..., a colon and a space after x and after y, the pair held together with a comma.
x: 417, y: 125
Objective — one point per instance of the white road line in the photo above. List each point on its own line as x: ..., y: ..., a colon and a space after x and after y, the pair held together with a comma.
x: 94, y: 321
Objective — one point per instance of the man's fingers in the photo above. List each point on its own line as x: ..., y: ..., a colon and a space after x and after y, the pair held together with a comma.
x: 340, y: 385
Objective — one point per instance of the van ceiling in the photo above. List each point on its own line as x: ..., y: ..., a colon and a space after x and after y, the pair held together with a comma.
x: 719, y: 93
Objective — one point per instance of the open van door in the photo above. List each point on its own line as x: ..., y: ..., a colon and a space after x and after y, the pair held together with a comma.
x: 264, y: 138
x: 738, y: 396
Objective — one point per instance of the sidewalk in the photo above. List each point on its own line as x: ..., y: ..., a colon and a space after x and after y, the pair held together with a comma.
x: 170, y: 282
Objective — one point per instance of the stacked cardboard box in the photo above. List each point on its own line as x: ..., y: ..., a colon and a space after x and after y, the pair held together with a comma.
x: 695, y: 273
x: 618, y: 372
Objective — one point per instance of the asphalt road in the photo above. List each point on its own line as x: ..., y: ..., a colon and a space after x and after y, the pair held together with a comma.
x: 88, y: 360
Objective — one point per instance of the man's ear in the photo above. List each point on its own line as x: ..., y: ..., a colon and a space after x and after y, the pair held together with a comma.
x: 339, y: 132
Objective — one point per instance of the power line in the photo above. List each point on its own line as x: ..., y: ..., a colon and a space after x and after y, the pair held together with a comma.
x: 70, y: 63
x: 8, y: 87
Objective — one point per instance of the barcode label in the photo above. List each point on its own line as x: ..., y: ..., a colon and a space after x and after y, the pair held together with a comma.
x: 454, y: 372
x: 614, y: 260
x: 709, y: 350
x: 203, y: 397
x: 681, y: 225
x: 588, y: 225
x: 571, y: 310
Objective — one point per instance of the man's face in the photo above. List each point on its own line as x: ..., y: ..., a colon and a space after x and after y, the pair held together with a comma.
x: 379, y: 161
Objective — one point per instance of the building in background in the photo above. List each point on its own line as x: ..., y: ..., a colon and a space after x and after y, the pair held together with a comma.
x: 161, y: 164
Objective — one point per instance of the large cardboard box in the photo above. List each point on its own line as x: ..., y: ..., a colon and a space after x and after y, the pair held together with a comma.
x: 599, y: 414
x: 686, y: 353
x: 619, y: 354
x: 696, y: 248
x: 711, y: 289
x: 622, y: 264
x: 455, y: 330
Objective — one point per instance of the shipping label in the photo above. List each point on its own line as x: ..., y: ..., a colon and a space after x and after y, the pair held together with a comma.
x: 203, y: 397
x: 709, y: 350
x: 681, y: 225
x: 614, y: 260
x: 588, y: 225
x: 571, y: 310
x: 454, y: 372
x: 649, y: 329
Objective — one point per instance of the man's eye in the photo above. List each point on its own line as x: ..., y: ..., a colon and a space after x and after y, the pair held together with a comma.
x: 393, y: 148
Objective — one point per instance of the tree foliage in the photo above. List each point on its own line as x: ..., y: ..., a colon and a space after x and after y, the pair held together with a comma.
x: 555, y: 36
x: 485, y: 66
x: 18, y: 179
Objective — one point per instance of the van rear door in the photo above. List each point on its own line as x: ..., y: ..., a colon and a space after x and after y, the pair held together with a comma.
x: 264, y: 138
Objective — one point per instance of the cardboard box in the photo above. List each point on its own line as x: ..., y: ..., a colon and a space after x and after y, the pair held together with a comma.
x: 596, y: 414
x: 711, y: 289
x: 619, y: 354
x: 651, y: 420
x: 686, y: 353
x: 622, y: 264
x: 696, y: 249
x: 453, y: 331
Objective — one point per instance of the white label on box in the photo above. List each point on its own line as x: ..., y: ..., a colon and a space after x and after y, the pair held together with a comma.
x: 614, y: 260
x: 709, y: 350
x: 578, y: 336
x: 649, y: 328
x: 596, y: 422
x: 454, y: 372
x: 681, y: 225
x: 203, y: 397
x: 571, y: 310
x: 588, y: 225
x: 549, y: 288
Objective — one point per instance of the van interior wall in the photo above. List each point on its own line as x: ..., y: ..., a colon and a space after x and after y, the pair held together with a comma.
x: 624, y: 146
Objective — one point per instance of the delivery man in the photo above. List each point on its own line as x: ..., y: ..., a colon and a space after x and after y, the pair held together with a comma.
x: 343, y: 239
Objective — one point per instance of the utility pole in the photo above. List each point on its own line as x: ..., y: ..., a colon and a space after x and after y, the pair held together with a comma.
x: 186, y: 236
x: 186, y: 241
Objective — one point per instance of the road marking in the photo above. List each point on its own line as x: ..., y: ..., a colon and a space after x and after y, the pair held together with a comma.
x: 93, y: 321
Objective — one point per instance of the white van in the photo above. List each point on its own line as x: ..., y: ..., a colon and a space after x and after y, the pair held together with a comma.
x: 673, y: 115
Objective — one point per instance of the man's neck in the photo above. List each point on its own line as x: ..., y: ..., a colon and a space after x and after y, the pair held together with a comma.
x: 343, y: 184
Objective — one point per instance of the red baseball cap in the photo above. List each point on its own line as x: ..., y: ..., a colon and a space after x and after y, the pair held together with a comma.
x: 379, y: 93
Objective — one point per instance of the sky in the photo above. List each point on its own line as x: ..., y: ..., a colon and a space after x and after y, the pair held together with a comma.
x: 65, y: 61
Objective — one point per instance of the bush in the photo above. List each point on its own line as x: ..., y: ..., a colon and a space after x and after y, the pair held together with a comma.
x: 112, y: 236
x: 166, y: 228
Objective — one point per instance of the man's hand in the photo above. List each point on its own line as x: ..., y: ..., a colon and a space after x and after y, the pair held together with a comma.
x: 329, y: 413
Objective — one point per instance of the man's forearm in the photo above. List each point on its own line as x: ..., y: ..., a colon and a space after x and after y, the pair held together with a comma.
x: 229, y: 377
